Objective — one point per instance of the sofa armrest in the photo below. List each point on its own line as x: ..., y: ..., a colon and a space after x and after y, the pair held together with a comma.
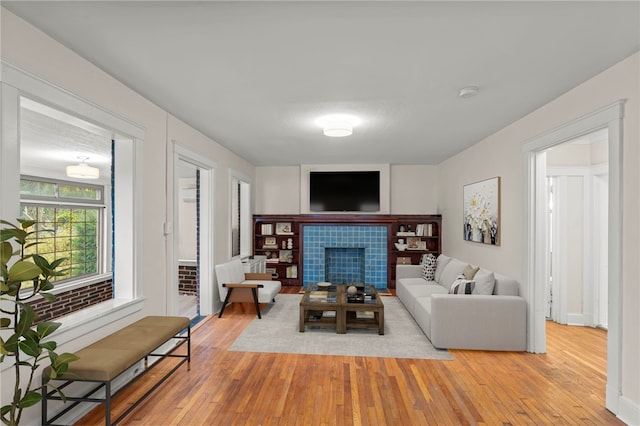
x: 408, y: 271
x: 479, y: 322
x: 260, y: 276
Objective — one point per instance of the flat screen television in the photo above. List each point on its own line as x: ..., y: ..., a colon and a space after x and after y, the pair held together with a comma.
x: 344, y: 191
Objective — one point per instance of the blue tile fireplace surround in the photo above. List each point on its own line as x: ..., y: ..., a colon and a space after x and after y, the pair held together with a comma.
x: 345, y: 253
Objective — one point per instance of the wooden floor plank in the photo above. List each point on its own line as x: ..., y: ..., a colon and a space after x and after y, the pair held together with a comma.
x: 564, y: 386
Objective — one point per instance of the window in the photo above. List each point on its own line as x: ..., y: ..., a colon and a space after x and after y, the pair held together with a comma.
x: 71, y: 231
x: 240, y: 218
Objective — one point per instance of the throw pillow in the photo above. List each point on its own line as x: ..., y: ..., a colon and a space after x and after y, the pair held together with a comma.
x: 429, y: 267
x: 485, y: 281
x: 441, y: 262
x: 462, y: 286
x: 470, y: 271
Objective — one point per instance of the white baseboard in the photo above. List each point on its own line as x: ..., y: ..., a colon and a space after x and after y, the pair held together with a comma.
x: 577, y: 319
x: 629, y: 411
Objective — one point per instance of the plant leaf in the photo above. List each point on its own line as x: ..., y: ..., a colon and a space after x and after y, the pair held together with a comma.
x: 31, y: 398
x: 30, y: 347
x: 6, y: 251
x: 23, y: 271
x: 27, y: 316
x: 50, y: 297
x: 26, y: 223
x: 49, y: 346
x: 46, y: 328
x: 64, y: 359
x: 5, y: 409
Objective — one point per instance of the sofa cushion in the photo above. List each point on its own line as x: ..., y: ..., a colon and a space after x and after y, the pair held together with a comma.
x: 429, y: 267
x: 422, y: 315
x: 412, y: 292
x: 470, y: 271
x: 441, y: 262
x: 451, y: 271
x: 485, y: 281
x: 462, y: 286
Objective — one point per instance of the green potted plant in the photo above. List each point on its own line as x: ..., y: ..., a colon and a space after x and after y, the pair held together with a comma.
x: 22, y: 277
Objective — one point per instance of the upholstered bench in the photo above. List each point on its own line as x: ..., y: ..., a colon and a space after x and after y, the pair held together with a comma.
x: 104, y: 360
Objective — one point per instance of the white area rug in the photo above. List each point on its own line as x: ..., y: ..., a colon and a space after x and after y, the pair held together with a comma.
x: 277, y: 331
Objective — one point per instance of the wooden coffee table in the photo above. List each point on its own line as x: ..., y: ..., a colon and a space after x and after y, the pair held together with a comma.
x: 316, y: 304
x: 364, y: 314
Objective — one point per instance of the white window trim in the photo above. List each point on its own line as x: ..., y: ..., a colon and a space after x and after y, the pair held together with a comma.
x: 245, y: 215
x: 128, y: 278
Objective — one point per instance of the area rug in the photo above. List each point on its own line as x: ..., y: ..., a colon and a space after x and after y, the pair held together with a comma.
x: 277, y: 332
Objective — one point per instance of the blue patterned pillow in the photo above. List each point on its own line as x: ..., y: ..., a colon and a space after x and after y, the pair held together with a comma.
x: 429, y: 267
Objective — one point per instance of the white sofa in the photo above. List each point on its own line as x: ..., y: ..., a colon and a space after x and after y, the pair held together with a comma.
x: 495, y: 320
x: 234, y: 285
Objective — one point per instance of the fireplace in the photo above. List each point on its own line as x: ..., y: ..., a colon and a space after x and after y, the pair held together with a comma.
x: 344, y: 265
x: 345, y: 253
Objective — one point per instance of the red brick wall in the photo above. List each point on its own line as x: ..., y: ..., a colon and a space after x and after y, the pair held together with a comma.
x: 188, y: 279
x: 73, y: 300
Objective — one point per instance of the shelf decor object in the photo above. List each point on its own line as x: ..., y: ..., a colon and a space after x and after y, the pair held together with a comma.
x: 283, y: 228
x: 481, y: 211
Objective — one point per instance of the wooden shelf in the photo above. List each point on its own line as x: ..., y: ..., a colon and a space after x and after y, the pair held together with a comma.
x: 430, y: 224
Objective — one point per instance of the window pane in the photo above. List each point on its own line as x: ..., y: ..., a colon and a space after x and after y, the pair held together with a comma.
x: 69, y: 233
x: 80, y: 192
x: 30, y: 187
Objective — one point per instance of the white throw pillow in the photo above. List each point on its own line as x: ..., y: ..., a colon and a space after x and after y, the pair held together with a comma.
x: 462, y: 286
x: 441, y: 262
x: 450, y: 273
x: 485, y: 281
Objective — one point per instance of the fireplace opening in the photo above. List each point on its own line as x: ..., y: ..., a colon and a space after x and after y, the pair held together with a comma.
x: 344, y: 265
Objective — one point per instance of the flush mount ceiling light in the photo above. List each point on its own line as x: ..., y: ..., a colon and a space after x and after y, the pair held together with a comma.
x: 337, y: 126
x: 468, y: 92
x: 82, y: 170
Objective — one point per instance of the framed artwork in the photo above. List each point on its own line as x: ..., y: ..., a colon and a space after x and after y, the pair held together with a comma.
x: 481, y: 211
x: 413, y: 243
x: 270, y: 242
x: 283, y: 228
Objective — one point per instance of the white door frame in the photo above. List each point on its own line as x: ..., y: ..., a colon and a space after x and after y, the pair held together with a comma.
x: 534, y: 237
x: 206, y: 231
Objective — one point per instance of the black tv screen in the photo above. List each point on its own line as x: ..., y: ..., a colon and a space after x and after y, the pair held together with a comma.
x: 344, y: 191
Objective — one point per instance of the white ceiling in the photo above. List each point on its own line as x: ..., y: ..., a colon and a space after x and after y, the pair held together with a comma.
x: 255, y: 76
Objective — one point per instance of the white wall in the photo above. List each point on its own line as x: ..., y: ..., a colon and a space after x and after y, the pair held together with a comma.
x: 413, y: 190
x: 501, y: 155
x: 34, y: 52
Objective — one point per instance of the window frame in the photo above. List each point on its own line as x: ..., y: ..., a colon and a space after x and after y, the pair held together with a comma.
x: 243, y: 183
x: 129, y: 138
x: 103, y: 267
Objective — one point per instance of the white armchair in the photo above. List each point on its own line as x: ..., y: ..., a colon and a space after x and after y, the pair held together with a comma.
x: 235, y: 285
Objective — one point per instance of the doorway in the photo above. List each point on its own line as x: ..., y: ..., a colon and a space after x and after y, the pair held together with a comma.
x: 577, y: 179
x: 186, y: 224
x: 191, y: 246
x: 535, y: 234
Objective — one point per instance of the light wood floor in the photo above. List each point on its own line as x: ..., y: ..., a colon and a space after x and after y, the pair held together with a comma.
x: 564, y: 386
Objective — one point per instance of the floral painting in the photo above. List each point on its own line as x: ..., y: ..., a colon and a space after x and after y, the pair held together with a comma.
x: 481, y: 213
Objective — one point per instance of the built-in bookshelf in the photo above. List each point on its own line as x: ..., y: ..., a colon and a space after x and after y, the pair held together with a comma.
x: 278, y: 237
